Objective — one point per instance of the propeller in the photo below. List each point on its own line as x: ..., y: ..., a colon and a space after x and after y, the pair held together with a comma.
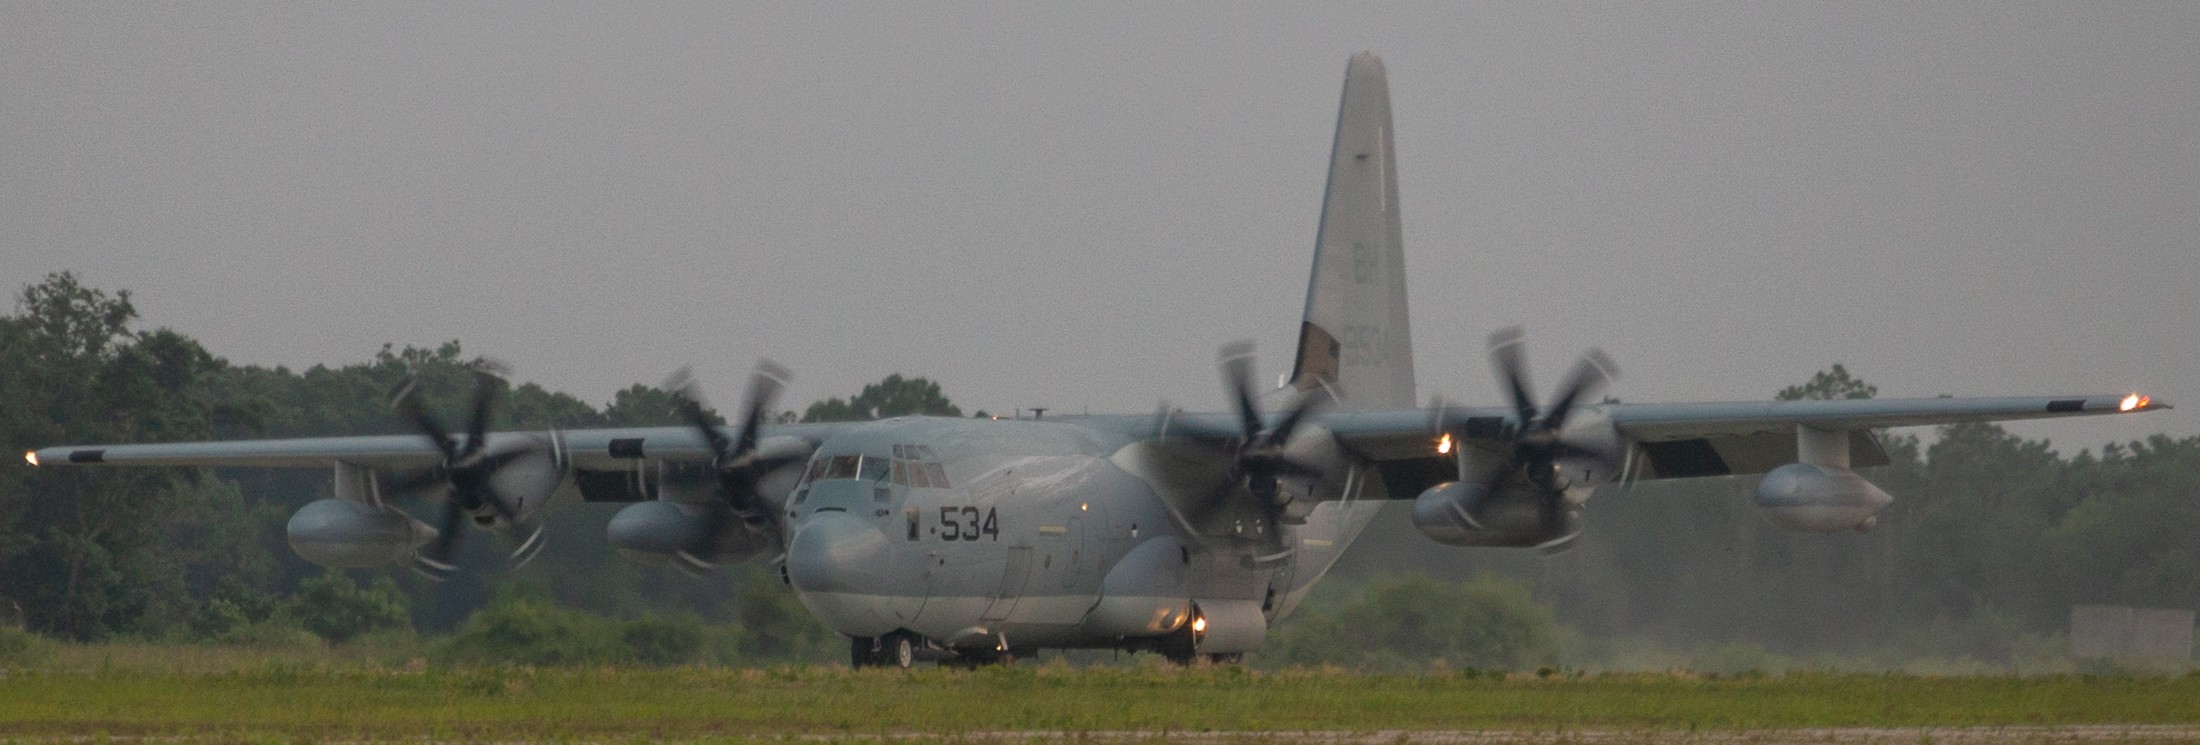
x: 1538, y: 442
x: 1260, y: 462
x: 467, y: 470
x: 734, y: 460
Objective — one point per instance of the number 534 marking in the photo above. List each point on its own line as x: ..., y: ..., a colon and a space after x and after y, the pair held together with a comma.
x: 968, y: 523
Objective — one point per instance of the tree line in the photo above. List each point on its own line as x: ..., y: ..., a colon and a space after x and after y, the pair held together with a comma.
x: 1991, y: 538
x: 175, y: 553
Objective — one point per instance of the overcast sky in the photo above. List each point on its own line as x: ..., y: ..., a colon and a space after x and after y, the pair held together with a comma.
x: 1074, y: 205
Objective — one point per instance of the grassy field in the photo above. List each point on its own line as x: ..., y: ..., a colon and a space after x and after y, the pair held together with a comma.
x: 218, y: 694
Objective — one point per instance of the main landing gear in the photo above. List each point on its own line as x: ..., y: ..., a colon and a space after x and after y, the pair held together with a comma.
x: 901, y: 648
x: 895, y: 649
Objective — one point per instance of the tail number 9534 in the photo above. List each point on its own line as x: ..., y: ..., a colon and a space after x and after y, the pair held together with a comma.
x: 969, y: 523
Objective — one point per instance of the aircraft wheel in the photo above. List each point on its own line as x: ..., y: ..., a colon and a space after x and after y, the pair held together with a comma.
x: 901, y: 650
x: 861, y: 652
x: 1227, y: 658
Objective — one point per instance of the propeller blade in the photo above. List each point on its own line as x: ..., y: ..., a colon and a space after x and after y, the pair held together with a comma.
x: 1589, y: 376
x: 406, y: 402
x: 486, y: 384
x: 1508, y: 356
x: 445, y: 548
x: 687, y: 402
x: 1282, y: 432
x: 714, y: 528
x: 1237, y: 374
x: 764, y: 387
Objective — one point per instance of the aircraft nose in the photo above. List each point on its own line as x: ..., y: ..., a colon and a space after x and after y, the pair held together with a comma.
x: 833, y: 552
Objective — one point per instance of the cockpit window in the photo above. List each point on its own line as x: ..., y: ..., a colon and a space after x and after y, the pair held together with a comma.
x: 860, y: 467
x: 873, y: 468
x: 912, y: 465
x: 917, y: 466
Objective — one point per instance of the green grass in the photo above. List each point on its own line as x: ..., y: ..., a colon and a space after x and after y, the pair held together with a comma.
x: 129, y: 696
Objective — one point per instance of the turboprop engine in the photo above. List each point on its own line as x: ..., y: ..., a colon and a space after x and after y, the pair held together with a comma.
x: 720, y: 512
x: 1546, y: 461
x: 697, y: 535
x: 351, y: 535
x: 1819, y: 498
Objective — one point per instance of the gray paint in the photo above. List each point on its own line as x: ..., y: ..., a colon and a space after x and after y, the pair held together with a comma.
x: 1356, y: 339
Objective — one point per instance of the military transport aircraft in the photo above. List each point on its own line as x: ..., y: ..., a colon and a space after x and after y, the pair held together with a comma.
x: 975, y: 540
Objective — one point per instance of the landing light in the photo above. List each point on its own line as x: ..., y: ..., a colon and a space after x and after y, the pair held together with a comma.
x: 1199, y: 624
x: 31, y: 456
x: 2134, y: 401
x: 1443, y: 444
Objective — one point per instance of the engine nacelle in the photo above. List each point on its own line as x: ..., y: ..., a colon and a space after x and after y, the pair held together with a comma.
x: 352, y: 535
x: 1461, y: 514
x: 1819, y: 499
x: 666, y: 530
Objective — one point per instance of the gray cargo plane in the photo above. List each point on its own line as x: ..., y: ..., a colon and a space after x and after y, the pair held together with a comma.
x: 1190, y: 535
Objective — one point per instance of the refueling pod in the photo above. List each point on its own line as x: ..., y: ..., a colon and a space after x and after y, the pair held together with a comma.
x: 1820, y: 494
x: 1819, y: 499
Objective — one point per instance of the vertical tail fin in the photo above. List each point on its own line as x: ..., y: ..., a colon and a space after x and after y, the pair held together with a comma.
x: 1355, y: 340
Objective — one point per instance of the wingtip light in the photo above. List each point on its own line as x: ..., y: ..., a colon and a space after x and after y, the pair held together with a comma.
x: 31, y: 457
x: 2135, y: 402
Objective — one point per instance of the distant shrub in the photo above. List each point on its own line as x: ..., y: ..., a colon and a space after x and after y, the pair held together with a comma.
x: 273, y: 634
x: 1407, y: 622
x: 522, y: 626
x: 663, y: 640
x: 387, y: 647
x: 336, y: 609
x: 217, y: 618
x: 773, y: 625
x: 19, y: 648
x: 1735, y: 658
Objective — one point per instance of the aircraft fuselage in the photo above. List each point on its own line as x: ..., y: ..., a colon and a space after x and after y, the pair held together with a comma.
x: 1004, y: 535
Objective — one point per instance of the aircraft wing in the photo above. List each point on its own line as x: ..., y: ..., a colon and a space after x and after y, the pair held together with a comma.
x: 1715, y: 439
x: 1720, y: 439
x: 587, y: 448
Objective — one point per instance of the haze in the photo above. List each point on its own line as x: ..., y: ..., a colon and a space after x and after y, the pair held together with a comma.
x: 1073, y: 206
